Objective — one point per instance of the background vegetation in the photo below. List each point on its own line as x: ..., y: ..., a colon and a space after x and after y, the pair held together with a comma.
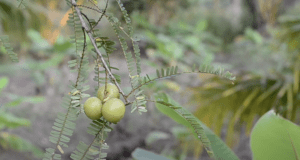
x: 261, y: 47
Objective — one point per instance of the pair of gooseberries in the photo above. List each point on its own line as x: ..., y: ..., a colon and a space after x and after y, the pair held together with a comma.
x: 112, y: 110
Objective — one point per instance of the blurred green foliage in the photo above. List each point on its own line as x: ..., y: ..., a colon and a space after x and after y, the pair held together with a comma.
x: 290, y: 32
x: 10, y: 121
x: 42, y: 56
x: 252, y: 52
x: 270, y: 80
x: 179, y: 43
x: 15, y: 19
x: 227, y: 20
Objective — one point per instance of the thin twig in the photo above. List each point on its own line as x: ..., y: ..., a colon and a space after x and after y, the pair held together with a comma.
x: 20, y: 3
x: 92, y: 39
x: 93, y: 3
x: 87, y: 7
x: 103, y: 14
x: 86, y: 19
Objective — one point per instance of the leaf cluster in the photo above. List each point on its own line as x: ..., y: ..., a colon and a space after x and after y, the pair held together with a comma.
x: 84, y: 26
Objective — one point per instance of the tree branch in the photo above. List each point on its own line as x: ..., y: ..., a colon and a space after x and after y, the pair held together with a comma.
x: 92, y: 39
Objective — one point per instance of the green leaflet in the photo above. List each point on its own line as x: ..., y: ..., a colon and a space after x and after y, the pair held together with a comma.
x: 276, y: 138
x: 63, y: 128
x: 218, y: 147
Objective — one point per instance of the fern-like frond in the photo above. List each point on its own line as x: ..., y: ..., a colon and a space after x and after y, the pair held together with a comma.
x: 99, y: 129
x: 64, y: 123
x: 126, y: 17
x: 97, y: 71
x: 137, y: 54
x: 134, y: 74
x: 82, y: 152
x: 192, y: 121
x: 106, y: 44
x: 83, y: 67
x: 128, y: 55
x: 173, y: 71
x: 49, y: 153
x: 219, y: 72
x: 77, y: 38
x: 139, y: 103
x: 163, y: 74
x: 130, y: 31
x: 109, y: 47
x: 4, y: 40
x: 62, y: 129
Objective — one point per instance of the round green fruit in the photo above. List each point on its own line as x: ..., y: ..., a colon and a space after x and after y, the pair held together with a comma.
x: 92, y: 108
x: 113, y: 110
x: 112, y: 92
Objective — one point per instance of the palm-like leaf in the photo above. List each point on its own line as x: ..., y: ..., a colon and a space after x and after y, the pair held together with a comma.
x: 249, y: 97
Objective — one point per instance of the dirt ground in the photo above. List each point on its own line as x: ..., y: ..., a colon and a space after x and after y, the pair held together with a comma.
x: 127, y: 135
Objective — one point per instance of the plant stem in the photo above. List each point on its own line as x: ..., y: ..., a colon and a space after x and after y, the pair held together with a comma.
x: 92, y: 39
